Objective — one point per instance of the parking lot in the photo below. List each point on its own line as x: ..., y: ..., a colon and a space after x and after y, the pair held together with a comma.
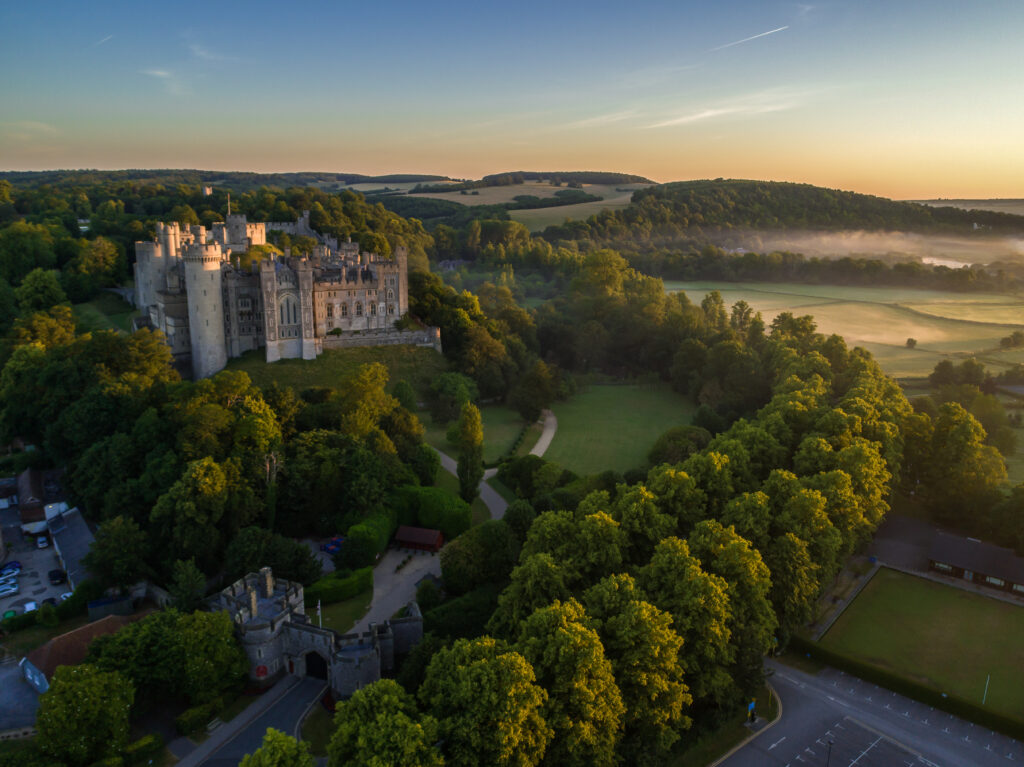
x: 35, y: 564
x: 846, y: 742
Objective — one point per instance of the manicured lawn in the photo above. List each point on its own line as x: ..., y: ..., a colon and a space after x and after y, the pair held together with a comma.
x: 342, y: 616
x: 317, y: 729
x: 417, y: 365
x: 947, y: 325
x: 938, y: 635
x: 105, y: 312
x: 501, y: 427
x: 613, y: 427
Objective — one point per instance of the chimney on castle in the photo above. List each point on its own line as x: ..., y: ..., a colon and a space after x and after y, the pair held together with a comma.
x: 267, y: 579
x: 254, y: 602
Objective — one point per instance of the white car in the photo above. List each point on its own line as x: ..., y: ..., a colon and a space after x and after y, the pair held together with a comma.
x: 31, y: 607
x: 65, y: 596
x: 42, y: 542
x: 9, y: 589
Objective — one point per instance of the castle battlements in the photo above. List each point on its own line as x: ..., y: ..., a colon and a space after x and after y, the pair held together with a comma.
x: 289, y: 306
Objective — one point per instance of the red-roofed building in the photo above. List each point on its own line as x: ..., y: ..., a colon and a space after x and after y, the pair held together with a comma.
x: 420, y: 538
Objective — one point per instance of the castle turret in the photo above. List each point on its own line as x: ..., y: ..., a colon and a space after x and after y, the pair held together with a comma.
x: 205, y: 308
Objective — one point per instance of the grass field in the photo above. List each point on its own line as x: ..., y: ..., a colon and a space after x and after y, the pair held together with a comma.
x: 418, y: 365
x: 539, y: 218
x: 105, y: 312
x: 478, y: 509
x: 342, y: 616
x: 613, y: 427
x: 945, y: 324
x: 317, y: 729
x: 938, y: 635
x: 501, y: 427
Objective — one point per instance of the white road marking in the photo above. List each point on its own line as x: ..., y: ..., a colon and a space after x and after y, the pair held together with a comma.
x: 862, y: 753
x: 773, y: 745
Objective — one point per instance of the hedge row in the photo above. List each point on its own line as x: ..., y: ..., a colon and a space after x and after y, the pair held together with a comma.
x: 335, y: 587
x: 145, y: 749
x: 433, y: 508
x: 75, y: 605
x: 951, y: 704
x: 192, y: 719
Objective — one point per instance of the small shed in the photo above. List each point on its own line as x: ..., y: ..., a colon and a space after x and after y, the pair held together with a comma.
x: 978, y: 562
x: 420, y: 538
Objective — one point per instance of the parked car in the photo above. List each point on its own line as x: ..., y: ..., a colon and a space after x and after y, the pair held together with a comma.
x: 57, y: 577
x: 31, y: 607
x: 9, y: 614
x: 9, y: 589
x: 8, y: 579
x: 42, y: 542
x: 11, y: 567
x: 50, y: 601
x: 65, y: 596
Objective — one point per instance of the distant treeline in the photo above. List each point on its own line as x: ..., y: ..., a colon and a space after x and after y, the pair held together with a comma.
x: 233, y: 180
x: 570, y: 178
x: 668, y: 212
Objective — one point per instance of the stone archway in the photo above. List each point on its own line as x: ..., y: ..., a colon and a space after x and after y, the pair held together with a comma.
x: 316, y: 666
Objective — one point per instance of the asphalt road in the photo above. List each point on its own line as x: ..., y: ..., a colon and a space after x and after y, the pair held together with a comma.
x: 284, y: 715
x: 835, y: 720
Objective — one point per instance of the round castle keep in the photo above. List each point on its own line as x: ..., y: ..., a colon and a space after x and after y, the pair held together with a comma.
x: 205, y: 316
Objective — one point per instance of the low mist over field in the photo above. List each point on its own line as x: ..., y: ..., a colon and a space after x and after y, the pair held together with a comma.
x: 947, y: 251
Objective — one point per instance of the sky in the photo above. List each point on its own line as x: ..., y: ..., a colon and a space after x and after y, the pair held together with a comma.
x: 902, y: 98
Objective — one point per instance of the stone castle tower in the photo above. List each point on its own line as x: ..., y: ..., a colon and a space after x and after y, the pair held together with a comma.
x: 206, y: 316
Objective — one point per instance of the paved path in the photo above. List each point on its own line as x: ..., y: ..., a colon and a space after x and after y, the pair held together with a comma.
x: 282, y: 707
x: 835, y: 719
x: 392, y: 591
x: 548, y: 434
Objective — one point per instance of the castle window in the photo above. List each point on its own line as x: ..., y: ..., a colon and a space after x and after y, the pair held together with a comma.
x: 330, y: 310
x: 391, y: 308
x: 391, y: 295
x: 373, y: 309
x: 344, y: 310
x: 359, y: 309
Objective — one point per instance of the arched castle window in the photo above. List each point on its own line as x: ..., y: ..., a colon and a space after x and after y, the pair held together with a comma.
x: 373, y: 309
x: 344, y: 310
x: 391, y: 295
x: 391, y: 308
x: 289, y: 311
x: 359, y: 309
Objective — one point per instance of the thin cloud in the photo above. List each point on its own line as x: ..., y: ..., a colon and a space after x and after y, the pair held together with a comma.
x: 606, y: 119
x: 201, y: 52
x: 748, y: 39
x: 761, y: 103
x: 171, y: 81
x: 106, y: 39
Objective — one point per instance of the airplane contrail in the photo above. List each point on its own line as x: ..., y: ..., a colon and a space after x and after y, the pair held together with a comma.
x: 748, y: 39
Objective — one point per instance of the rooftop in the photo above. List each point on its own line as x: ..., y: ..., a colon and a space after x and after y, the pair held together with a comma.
x: 977, y: 556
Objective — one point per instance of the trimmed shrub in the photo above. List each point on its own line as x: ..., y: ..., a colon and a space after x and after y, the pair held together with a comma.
x: 365, y: 540
x: 951, y: 704
x: 465, y: 616
x: 336, y: 587
x: 144, y: 749
x: 434, y: 508
x: 192, y: 719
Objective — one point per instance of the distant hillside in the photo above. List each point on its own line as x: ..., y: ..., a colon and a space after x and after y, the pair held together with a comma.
x: 569, y: 178
x: 235, y: 180
x: 689, y: 207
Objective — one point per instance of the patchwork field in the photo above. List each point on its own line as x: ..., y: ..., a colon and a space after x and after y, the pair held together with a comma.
x: 417, y: 365
x: 941, y: 636
x: 539, y: 218
x: 945, y: 324
x: 613, y: 427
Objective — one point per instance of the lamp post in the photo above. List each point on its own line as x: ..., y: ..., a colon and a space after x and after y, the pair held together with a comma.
x: 828, y: 759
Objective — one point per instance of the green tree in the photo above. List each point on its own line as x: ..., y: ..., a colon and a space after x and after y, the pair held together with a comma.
x: 24, y: 247
x: 279, y: 750
x: 117, y: 556
x: 83, y: 717
x: 487, y: 703
x: 471, y: 452
x: 534, y: 392
x: 584, y: 707
x: 50, y: 329
x: 483, y: 554
x: 214, y: 661
x: 405, y: 394
x: 39, y: 291
x: 188, y: 585
x: 187, y: 515
x: 379, y: 725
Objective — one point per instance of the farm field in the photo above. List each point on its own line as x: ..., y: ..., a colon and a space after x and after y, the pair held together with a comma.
x: 539, y: 218
x: 1013, y: 206
x: 939, y: 635
x: 417, y: 365
x: 501, y: 427
x: 882, y: 319
x: 613, y: 427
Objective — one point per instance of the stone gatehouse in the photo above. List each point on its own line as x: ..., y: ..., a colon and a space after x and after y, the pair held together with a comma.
x: 269, y: 617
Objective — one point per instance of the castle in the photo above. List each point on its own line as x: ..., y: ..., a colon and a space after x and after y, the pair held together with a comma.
x: 213, y: 303
x: 279, y: 639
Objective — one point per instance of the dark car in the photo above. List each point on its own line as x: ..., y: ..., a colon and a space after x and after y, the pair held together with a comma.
x: 50, y: 601
x: 58, y: 577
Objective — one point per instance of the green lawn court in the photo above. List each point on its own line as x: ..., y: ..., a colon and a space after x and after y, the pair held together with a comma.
x: 501, y: 427
x: 938, y: 635
x: 613, y: 427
